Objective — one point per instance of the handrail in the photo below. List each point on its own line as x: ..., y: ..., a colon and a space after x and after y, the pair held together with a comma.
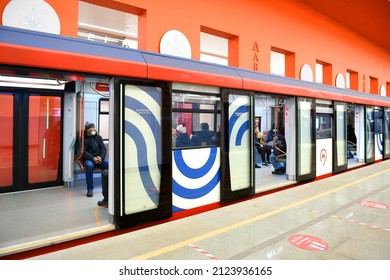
x: 79, y: 157
x: 351, y: 143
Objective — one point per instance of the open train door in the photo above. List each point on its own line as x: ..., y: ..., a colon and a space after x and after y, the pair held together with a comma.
x: 140, y: 168
x: 379, y: 133
x: 369, y: 134
x: 237, y: 160
x: 340, y: 162
x: 306, y: 139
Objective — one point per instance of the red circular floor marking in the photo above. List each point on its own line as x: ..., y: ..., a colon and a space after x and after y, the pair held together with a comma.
x: 307, y: 242
x: 373, y: 204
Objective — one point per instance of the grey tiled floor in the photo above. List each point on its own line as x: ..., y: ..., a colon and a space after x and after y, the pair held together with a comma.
x: 32, y: 218
x: 328, y: 211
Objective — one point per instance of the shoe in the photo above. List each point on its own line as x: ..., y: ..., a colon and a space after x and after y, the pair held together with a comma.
x: 102, y: 203
x: 279, y: 171
x: 257, y: 166
x: 89, y: 193
x: 268, y: 162
x: 264, y: 164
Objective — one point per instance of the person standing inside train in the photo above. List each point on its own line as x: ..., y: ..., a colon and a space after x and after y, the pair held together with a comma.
x: 94, y: 154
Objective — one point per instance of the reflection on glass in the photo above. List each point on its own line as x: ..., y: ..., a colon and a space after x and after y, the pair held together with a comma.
x: 305, y: 142
x: 370, y: 132
x: 44, y: 132
x: 341, y: 147
x: 387, y: 132
x: 103, y: 126
x: 239, y: 141
x: 142, y: 148
x: 6, y: 140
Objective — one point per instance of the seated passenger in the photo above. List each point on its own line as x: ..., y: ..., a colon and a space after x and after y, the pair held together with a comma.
x: 216, y: 138
x: 277, y: 152
x: 272, y: 136
x: 351, y: 143
x: 104, y: 201
x: 182, y: 138
x: 94, y: 154
x: 205, y: 135
x: 262, y: 148
x: 196, y: 141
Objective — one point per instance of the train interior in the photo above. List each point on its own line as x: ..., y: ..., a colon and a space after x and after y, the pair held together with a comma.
x: 271, y: 119
x: 43, y: 199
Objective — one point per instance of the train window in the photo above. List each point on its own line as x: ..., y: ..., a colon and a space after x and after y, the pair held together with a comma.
x: 7, y: 140
x: 195, y: 119
x: 324, y: 110
x: 323, y: 126
x: 103, y: 118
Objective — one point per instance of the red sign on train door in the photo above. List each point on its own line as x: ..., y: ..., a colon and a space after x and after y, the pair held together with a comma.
x: 307, y: 242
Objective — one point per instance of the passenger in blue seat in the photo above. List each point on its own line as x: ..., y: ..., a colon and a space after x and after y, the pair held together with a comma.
x: 278, y: 152
x: 94, y: 154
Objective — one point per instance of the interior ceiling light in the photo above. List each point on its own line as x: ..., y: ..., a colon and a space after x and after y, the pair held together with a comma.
x: 12, y: 81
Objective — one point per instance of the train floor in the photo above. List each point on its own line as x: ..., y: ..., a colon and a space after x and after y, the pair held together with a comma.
x: 36, y: 218
x: 343, y: 217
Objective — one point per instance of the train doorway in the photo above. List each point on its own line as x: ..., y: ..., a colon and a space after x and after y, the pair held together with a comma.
x: 355, y: 135
x: 31, y: 140
x: 274, y: 142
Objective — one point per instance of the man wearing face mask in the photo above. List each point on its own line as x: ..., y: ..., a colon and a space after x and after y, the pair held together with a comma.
x: 94, y: 154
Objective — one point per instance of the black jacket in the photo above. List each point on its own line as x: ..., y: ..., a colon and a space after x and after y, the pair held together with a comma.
x: 183, y: 140
x: 93, y: 146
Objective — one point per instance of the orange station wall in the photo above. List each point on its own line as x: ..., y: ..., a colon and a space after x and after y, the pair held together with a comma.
x: 287, y: 25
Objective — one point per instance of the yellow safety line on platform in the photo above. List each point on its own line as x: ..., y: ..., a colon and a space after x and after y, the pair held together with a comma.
x: 248, y: 221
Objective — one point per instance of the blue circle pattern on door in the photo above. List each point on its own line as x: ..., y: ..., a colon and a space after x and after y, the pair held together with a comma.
x: 142, y: 148
x: 196, y: 177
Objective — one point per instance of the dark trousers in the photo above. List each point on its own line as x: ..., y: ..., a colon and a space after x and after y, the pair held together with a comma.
x: 105, y: 185
x: 264, y: 150
x: 89, y: 166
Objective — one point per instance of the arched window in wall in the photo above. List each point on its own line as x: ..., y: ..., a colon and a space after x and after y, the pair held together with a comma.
x: 101, y: 24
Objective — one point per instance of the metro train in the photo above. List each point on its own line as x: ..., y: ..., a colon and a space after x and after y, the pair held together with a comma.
x: 140, y: 101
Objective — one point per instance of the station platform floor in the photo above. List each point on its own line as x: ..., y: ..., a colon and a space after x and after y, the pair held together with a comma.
x: 343, y: 217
